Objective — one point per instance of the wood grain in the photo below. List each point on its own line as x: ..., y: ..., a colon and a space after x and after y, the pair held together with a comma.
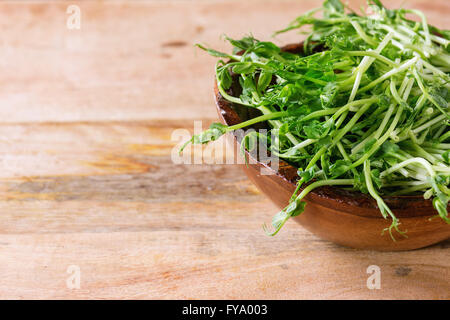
x: 132, y: 60
x: 87, y: 178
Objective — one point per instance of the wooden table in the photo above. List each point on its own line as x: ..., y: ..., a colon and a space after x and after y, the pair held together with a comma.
x: 87, y: 180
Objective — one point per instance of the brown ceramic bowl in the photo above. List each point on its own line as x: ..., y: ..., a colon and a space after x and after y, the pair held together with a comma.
x: 345, y: 217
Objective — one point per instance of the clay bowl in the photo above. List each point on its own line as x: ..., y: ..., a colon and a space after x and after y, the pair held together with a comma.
x: 345, y: 217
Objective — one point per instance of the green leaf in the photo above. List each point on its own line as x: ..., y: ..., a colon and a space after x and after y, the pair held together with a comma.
x: 441, y: 207
x: 339, y: 167
x: 328, y: 94
x: 248, y: 89
x: 299, y: 208
x: 369, y: 144
x: 375, y: 175
x: 377, y: 3
x: 389, y: 148
x: 266, y: 49
x: 307, y: 175
x: 384, y: 101
x: 215, y: 131
x: 334, y: 6
x: 318, y: 130
x: 446, y: 156
x: 441, y: 95
x: 322, y: 142
x: 243, y: 68
x: 213, y: 52
x: 242, y: 44
x: 264, y: 80
x: 224, y: 77
x: 294, y: 208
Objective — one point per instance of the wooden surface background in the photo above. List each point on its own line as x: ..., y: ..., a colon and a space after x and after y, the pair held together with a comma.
x: 86, y: 178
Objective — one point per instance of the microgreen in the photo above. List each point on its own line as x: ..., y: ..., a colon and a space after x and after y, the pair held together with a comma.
x: 365, y: 106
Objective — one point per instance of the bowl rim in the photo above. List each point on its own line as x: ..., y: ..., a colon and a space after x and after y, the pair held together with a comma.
x: 329, y: 196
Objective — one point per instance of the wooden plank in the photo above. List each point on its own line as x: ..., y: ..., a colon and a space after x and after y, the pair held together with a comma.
x: 211, y: 264
x: 144, y: 227
x: 131, y: 60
